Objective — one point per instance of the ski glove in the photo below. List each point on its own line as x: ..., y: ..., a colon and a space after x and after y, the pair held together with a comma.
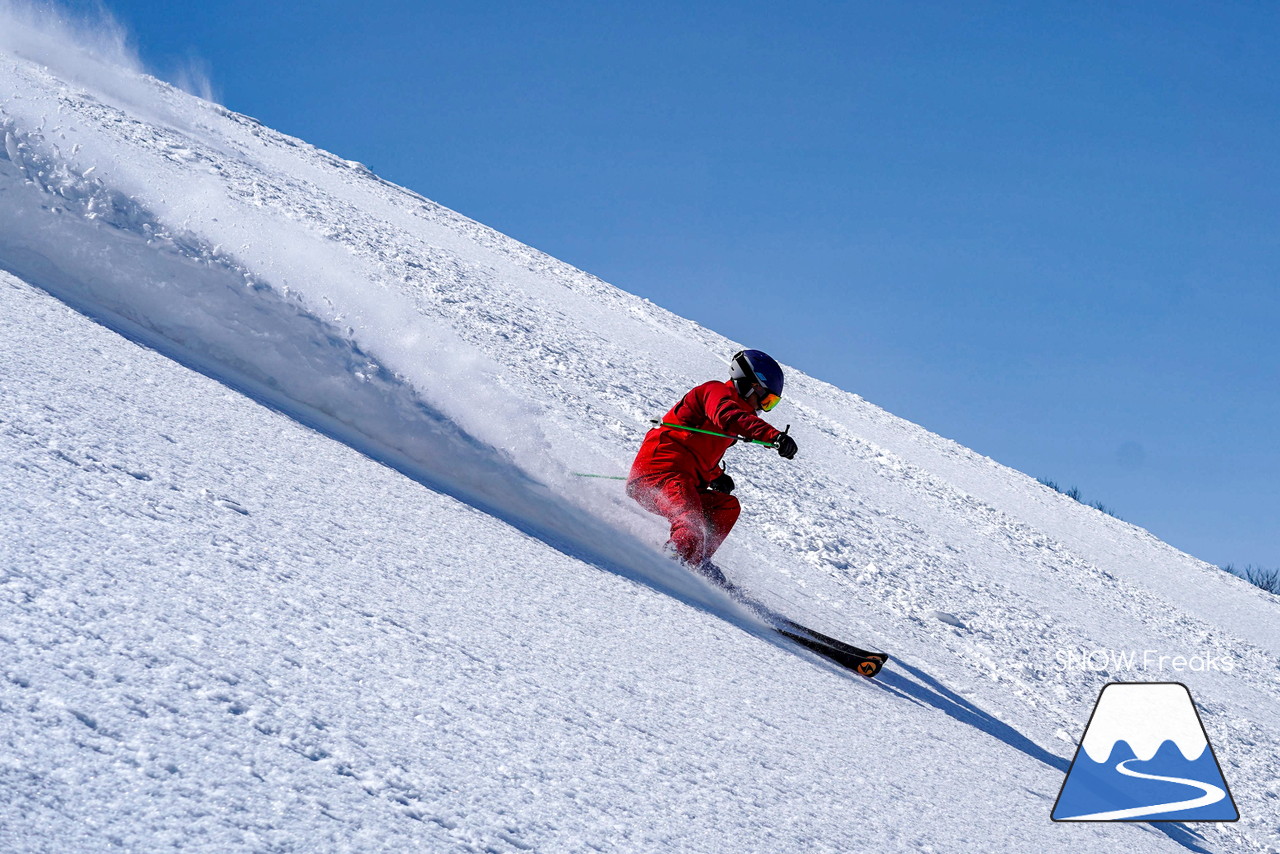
x: 787, y: 447
x: 723, y: 483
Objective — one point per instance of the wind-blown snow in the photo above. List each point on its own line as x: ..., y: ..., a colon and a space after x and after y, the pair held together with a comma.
x: 225, y: 630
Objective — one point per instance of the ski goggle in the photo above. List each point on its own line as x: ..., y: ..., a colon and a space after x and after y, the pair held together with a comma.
x: 768, y: 400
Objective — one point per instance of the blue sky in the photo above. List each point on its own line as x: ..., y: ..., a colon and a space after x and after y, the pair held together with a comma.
x: 1049, y: 231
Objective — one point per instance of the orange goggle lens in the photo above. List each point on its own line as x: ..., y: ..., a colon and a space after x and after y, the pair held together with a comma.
x: 769, y: 400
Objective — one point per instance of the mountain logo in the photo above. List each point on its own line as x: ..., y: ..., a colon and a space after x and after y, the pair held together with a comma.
x: 1145, y: 757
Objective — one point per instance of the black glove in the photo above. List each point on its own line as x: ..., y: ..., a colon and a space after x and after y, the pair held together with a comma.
x: 723, y: 483
x: 787, y: 447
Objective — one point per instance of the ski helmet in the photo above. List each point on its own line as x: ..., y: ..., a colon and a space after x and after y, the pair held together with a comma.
x: 755, y: 372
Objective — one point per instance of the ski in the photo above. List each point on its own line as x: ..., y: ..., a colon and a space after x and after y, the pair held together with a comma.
x: 863, y: 662
x: 792, y: 626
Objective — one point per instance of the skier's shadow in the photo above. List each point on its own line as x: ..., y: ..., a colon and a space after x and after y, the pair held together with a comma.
x: 924, y: 690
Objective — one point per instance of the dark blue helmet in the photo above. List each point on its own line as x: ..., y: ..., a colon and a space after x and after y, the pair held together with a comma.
x: 755, y: 372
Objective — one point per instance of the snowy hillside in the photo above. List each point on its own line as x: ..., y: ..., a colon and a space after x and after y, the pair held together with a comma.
x: 293, y: 556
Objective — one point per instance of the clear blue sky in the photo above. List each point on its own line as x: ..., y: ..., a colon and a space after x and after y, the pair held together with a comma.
x: 1050, y: 231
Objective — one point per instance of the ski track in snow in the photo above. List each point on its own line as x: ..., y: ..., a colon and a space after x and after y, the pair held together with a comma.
x: 381, y: 319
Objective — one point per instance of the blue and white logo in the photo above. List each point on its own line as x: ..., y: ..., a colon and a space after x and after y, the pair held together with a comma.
x: 1145, y: 757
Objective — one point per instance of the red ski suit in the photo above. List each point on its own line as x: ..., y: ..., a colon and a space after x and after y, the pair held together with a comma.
x: 673, y: 468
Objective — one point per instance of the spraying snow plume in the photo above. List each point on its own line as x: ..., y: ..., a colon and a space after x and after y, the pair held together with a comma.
x: 194, y: 243
x: 54, y: 36
x: 88, y: 46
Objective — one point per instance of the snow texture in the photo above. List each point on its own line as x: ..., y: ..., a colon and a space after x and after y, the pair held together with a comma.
x: 293, y: 556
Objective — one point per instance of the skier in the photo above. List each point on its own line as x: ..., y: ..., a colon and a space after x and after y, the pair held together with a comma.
x: 677, y: 473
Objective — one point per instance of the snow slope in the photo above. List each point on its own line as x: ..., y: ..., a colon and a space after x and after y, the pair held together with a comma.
x: 323, y: 578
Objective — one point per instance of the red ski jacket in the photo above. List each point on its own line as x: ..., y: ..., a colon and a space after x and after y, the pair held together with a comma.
x: 711, y: 406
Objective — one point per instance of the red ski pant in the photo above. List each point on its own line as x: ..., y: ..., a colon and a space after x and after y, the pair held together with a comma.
x: 700, y: 520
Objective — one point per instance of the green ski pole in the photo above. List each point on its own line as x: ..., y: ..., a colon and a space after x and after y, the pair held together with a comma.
x: 691, y: 430
x: 713, y: 433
